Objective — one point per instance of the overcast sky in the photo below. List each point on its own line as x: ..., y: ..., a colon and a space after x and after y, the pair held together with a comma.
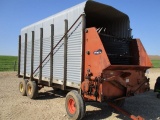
x: 16, y: 14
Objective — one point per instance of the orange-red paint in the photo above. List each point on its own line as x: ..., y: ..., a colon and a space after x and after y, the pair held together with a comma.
x: 143, y: 57
x: 103, y: 81
x: 96, y: 63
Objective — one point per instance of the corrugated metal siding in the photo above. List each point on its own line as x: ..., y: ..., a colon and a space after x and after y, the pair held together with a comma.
x: 73, y: 14
x: 22, y: 59
x: 46, y: 64
x: 22, y: 50
x: 58, y: 59
x: 29, y: 47
x: 74, y: 52
x: 37, y: 47
x: 28, y: 60
x: 46, y: 46
x: 36, y: 55
x: 74, y: 56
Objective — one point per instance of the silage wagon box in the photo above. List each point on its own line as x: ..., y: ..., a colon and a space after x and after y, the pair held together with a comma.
x: 87, y: 50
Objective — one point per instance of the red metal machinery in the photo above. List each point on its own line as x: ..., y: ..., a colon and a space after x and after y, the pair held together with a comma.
x: 104, y: 81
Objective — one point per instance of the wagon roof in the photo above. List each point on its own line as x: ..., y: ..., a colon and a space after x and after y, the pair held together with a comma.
x: 91, y: 8
x: 108, y: 12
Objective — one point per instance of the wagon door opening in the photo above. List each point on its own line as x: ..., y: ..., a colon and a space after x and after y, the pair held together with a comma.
x: 113, y: 27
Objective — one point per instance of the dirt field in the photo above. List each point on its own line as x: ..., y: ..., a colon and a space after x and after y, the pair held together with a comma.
x: 49, y: 106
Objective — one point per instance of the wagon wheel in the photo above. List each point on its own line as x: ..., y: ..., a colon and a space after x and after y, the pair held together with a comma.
x: 22, y: 87
x: 32, y: 89
x: 75, y: 106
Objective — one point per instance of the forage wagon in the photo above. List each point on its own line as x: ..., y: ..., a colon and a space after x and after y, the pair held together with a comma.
x: 87, y: 50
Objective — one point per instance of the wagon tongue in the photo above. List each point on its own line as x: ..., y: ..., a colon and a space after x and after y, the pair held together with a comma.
x: 132, y: 117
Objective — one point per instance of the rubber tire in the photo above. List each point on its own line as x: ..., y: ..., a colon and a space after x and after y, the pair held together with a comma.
x: 119, y: 103
x: 32, y: 89
x: 158, y: 95
x: 22, y: 87
x: 79, y: 104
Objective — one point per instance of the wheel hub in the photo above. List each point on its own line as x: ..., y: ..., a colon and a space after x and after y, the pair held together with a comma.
x: 71, y: 106
x: 21, y: 87
x: 29, y: 89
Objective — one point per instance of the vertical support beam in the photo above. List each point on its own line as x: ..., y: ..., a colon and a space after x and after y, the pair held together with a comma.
x: 51, y: 55
x: 83, y: 23
x: 83, y: 46
x: 65, y: 55
x: 40, y: 59
x: 32, y: 56
x: 19, y: 55
x: 25, y: 56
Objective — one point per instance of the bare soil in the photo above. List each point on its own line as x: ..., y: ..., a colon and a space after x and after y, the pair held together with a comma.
x: 50, y: 106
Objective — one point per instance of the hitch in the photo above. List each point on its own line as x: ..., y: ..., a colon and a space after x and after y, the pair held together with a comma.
x: 132, y: 117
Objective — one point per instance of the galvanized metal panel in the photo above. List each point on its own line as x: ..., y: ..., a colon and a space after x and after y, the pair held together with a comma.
x: 46, y: 64
x: 28, y: 61
x: 37, y: 47
x: 74, y: 49
x: 29, y: 47
x: 71, y: 14
x: 58, y: 59
x: 74, y: 52
x: 74, y: 58
x: 22, y: 50
x: 59, y: 24
x: 46, y: 47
